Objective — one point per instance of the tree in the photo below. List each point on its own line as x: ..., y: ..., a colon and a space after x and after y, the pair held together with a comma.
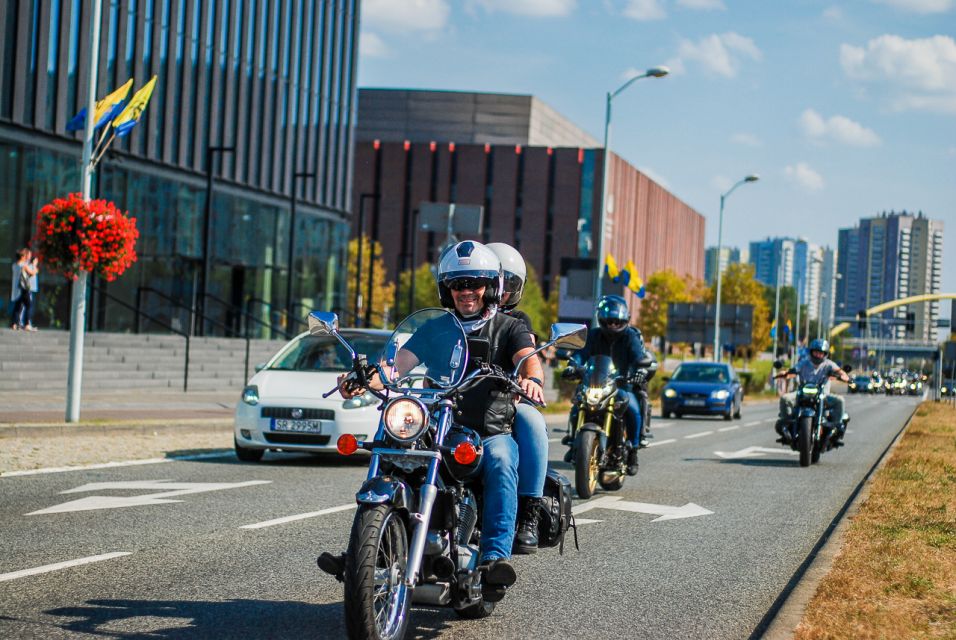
x: 536, y: 306
x: 426, y: 291
x: 739, y: 286
x: 383, y: 291
x: 661, y: 288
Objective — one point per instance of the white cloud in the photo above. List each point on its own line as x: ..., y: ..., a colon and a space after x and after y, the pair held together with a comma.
x: 917, y: 74
x: 721, y: 54
x: 644, y: 10
x: 804, y: 175
x: 833, y: 13
x: 547, y: 8
x: 919, y: 6
x: 746, y: 139
x: 706, y: 5
x: 372, y: 46
x: 837, y: 128
x: 405, y: 15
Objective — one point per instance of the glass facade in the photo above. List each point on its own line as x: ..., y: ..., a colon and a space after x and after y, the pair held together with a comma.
x: 274, y: 81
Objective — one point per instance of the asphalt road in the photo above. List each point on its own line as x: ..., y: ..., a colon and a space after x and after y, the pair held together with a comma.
x: 195, y: 569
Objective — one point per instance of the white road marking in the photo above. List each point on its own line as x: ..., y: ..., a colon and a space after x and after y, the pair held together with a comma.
x: 666, y: 512
x: 660, y: 442
x: 752, y: 452
x: 736, y: 426
x: 554, y: 439
x: 124, y: 463
x: 753, y: 424
x: 301, y: 516
x: 662, y: 425
x: 698, y: 435
x: 13, y: 575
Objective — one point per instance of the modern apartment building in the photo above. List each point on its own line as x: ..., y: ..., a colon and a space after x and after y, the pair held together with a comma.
x: 808, y: 267
x: 728, y: 256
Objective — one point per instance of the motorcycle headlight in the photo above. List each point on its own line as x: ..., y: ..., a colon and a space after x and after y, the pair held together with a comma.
x: 594, y: 395
x: 364, y: 400
x: 670, y: 393
x: 912, y: 386
x: 720, y: 394
x: 810, y: 391
x: 405, y: 420
x: 250, y: 395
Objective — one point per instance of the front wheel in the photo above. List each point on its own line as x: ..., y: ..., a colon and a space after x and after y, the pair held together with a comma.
x: 376, y: 598
x: 805, y: 440
x: 586, y: 466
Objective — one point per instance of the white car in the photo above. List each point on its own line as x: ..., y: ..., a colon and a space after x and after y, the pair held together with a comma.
x: 282, y: 406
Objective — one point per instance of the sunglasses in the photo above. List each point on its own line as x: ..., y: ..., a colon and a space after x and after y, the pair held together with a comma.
x: 471, y: 284
x: 615, y: 323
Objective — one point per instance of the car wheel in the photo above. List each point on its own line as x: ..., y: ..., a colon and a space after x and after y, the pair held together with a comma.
x: 247, y: 454
x: 737, y: 415
x: 678, y: 415
x: 666, y: 415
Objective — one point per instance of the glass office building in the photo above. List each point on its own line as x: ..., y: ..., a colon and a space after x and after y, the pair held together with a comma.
x: 272, y: 81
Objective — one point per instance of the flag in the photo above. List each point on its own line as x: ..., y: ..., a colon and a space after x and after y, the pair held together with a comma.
x: 641, y: 292
x: 125, y: 121
x: 634, y: 282
x: 104, y: 111
x: 610, y: 267
x: 773, y: 329
x: 788, y: 330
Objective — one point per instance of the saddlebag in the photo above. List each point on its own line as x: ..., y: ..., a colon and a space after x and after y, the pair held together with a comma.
x: 556, y: 517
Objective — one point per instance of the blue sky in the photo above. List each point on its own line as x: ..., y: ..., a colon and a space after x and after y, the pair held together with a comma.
x: 845, y: 109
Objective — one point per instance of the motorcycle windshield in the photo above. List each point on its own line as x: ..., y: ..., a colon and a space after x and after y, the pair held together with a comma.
x: 599, y: 371
x: 428, y: 350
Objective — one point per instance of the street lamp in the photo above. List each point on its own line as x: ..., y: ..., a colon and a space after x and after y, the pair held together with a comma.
x: 753, y: 177
x: 288, y: 283
x: 653, y: 72
x: 207, y: 234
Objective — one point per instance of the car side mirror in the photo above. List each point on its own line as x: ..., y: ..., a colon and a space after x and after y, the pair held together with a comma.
x: 323, y: 323
x: 261, y: 366
x: 666, y: 378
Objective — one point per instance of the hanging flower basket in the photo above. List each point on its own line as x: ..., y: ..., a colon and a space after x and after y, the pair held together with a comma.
x: 73, y: 236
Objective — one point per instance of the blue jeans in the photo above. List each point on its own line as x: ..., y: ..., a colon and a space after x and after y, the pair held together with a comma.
x: 632, y: 418
x: 531, y: 433
x: 499, y: 474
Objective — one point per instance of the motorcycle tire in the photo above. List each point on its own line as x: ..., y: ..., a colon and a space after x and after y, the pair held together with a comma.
x: 476, y: 611
x: 815, y: 453
x: 805, y: 440
x: 586, y: 464
x: 378, y: 542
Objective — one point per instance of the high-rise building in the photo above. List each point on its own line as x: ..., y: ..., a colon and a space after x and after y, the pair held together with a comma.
x: 803, y: 265
x: 767, y: 256
x: 728, y: 256
x: 897, y: 255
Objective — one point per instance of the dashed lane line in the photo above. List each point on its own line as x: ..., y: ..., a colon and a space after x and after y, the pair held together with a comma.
x: 736, y: 426
x: 658, y: 443
x: 753, y: 424
x: 124, y: 463
x: 698, y: 435
x: 47, y: 568
x: 301, y: 516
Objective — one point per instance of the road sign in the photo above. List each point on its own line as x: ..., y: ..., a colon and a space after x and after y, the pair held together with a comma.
x: 694, y: 322
x: 465, y: 219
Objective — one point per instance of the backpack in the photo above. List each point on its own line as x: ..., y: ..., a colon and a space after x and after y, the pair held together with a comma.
x: 556, y: 517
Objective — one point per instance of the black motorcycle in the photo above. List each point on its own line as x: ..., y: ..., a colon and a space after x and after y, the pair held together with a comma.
x: 808, y: 431
x: 415, y: 536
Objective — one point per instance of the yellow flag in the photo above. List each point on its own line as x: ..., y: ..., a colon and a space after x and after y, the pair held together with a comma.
x: 610, y: 267
x: 104, y: 110
x: 126, y: 120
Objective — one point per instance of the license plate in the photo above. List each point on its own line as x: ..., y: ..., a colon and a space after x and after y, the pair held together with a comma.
x: 300, y: 426
x: 695, y: 403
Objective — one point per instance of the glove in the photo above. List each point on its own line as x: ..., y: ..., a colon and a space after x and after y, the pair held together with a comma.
x: 570, y: 373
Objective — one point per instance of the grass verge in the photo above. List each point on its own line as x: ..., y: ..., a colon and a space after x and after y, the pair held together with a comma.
x: 895, y: 576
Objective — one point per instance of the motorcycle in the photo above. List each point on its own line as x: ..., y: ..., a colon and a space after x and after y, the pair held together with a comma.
x: 808, y: 432
x: 599, y: 434
x: 415, y: 536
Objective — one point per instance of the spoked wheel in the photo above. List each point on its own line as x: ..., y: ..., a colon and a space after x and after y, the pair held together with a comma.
x: 376, y: 598
x: 586, y: 467
x: 805, y: 441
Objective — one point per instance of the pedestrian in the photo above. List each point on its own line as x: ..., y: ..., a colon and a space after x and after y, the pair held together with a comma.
x: 24, y: 270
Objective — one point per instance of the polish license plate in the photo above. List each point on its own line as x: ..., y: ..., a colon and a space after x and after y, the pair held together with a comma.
x: 298, y: 426
x: 695, y: 403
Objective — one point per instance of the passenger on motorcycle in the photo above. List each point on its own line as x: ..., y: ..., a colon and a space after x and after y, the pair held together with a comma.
x: 815, y: 369
x: 625, y: 345
x: 530, y: 430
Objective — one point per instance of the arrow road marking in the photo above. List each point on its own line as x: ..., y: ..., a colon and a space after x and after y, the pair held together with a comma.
x: 666, y: 512
x: 752, y: 452
x: 163, y: 497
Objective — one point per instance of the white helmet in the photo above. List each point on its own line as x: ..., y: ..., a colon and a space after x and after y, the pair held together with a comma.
x: 513, y: 269
x: 469, y: 260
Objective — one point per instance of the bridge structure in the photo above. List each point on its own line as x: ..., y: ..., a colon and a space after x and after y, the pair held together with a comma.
x: 880, y: 308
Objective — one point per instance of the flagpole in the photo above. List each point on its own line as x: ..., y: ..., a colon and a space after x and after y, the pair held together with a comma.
x: 796, y: 329
x: 776, y: 314
x: 78, y: 303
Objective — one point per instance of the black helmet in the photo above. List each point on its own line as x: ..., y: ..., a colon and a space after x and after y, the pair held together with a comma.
x: 819, y: 345
x: 613, y: 315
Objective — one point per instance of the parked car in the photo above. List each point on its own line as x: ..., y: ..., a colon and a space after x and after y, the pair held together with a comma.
x: 702, y: 388
x: 282, y: 406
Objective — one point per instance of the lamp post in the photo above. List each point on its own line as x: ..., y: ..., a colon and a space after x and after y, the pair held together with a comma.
x: 653, y: 72
x: 298, y: 175
x: 753, y: 177
x: 358, y: 261
x: 207, y: 234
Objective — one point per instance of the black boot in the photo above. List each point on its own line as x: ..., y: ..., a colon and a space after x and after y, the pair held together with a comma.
x: 526, y: 538
x: 332, y: 565
x: 498, y: 576
x: 632, y: 461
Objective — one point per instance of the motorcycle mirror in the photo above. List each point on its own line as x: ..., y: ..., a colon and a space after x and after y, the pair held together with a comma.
x: 778, y: 364
x: 323, y: 323
x: 568, y: 335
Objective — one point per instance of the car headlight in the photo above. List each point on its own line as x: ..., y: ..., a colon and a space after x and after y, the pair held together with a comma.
x: 912, y: 386
x: 721, y: 394
x: 594, y: 395
x: 405, y: 420
x: 670, y: 393
x: 365, y: 400
x: 250, y: 395
x: 944, y: 389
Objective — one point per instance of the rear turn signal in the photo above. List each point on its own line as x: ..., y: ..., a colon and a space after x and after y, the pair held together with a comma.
x: 347, y: 444
x: 465, y: 453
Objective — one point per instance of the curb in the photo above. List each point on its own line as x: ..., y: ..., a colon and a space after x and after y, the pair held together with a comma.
x: 123, y: 428
x: 785, y: 615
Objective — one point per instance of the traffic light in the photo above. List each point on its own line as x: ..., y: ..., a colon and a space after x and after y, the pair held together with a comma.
x: 861, y: 320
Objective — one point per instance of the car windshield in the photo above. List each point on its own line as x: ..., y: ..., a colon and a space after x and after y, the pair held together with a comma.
x: 701, y: 373
x: 325, y: 353
x: 436, y: 351
x: 861, y: 380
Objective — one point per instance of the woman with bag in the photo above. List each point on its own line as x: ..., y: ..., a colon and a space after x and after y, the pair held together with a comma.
x: 24, y: 274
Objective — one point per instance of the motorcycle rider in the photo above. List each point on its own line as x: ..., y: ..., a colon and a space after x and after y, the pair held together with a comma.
x: 815, y: 369
x: 530, y: 430
x: 625, y: 345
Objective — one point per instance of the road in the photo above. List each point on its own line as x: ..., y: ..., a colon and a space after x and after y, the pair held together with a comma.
x: 189, y: 565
